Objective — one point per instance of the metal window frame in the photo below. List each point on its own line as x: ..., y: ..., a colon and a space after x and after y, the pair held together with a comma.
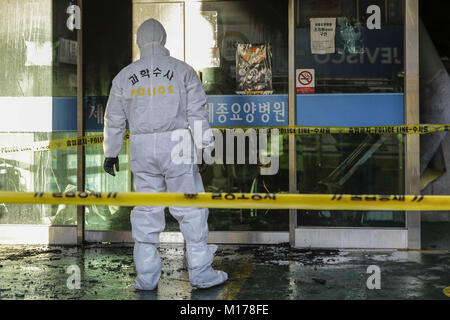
x: 412, y: 142
x: 80, y: 130
x: 292, y: 118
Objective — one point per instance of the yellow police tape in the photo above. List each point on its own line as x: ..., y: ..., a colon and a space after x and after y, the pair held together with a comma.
x: 400, y: 129
x: 236, y: 200
x: 446, y: 291
x: 55, y: 144
x: 289, y: 130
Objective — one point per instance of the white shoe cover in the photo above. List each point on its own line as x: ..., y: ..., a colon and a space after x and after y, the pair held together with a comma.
x: 207, y: 277
x: 148, y: 266
x: 146, y: 283
x: 201, y: 274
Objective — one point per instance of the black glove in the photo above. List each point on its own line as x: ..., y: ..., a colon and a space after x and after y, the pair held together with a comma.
x: 109, y: 165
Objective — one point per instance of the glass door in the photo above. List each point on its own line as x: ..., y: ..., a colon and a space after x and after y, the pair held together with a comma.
x: 349, y: 60
x: 240, y: 50
x: 206, y: 35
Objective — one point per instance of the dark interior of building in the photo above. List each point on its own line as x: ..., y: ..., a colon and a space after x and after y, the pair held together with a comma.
x: 434, y: 15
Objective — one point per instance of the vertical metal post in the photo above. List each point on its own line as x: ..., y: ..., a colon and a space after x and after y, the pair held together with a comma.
x: 80, y: 128
x: 292, y: 118
x: 412, y: 159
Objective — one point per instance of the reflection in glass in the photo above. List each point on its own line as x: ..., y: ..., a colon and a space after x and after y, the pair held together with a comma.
x: 246, y: 178
x: 30, y: 171
x: 238, y: 22
x: 214, y: 30
x: 351, y: 164
x: 365, y: 60
x: 107, y: 217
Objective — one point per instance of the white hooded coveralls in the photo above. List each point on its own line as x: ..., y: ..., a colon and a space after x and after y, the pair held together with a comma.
x: 158, y: 95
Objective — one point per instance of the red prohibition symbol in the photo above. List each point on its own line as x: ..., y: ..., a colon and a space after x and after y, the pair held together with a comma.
x: 305, y: 78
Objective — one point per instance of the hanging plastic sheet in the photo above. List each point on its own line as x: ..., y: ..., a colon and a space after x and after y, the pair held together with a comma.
x: 349, y: 38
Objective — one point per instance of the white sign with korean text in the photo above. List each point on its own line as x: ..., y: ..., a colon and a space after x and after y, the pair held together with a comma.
x: 323, y: 32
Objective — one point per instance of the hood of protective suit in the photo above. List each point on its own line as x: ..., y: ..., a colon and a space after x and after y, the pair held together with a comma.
x: 151, y: 32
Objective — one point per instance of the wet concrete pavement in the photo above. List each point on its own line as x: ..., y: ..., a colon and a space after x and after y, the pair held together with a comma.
x: 256, y: 272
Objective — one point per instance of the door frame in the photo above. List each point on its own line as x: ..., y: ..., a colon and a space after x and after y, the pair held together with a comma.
x: 294, y: 234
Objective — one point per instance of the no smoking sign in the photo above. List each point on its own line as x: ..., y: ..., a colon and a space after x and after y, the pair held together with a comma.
x: 305, y: 81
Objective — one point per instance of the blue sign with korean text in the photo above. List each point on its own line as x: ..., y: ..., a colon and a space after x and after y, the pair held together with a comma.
x: 248, y: 110
x: 224, y: 110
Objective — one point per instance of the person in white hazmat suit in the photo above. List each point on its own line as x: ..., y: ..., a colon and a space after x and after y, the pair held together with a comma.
x: 159, y: 96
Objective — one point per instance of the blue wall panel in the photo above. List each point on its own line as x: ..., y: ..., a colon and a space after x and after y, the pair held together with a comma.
x: 312, y: 110
x: 350, y: 109
x: 64, y: 114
